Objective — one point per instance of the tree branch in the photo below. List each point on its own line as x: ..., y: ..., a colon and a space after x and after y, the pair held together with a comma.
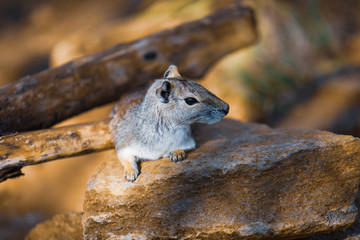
x: 43, y: 99
x: 29, y: 148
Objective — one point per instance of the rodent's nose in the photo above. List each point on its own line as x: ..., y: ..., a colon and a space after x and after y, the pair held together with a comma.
x: 226, y: 110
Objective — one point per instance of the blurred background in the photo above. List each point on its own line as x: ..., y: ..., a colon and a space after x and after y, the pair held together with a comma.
x: 303, y: 72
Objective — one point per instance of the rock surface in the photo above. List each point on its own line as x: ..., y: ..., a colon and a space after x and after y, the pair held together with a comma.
x: 62, y: 226
x: 243, y: 181
x: 350, y: 233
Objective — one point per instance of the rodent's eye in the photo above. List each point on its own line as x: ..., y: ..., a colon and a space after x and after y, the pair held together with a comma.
x: 191, y: 101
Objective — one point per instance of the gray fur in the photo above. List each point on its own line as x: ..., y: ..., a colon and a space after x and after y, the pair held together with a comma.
x: 157, y: 128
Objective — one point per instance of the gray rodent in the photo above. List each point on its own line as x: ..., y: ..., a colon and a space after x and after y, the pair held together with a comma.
x: 159, y: 125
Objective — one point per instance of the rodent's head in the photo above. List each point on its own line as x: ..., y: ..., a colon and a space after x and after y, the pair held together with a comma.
x: 185, y: 101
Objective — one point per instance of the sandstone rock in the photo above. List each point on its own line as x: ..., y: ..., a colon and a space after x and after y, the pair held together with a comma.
x: 62, y: 226
x: 243, y: 181
x: 351, y: 233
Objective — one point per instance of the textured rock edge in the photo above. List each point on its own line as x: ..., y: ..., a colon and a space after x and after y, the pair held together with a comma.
x: 339, y: 225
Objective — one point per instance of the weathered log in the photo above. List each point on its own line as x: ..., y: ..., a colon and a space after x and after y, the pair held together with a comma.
x: 29, y: 148
x: 43, y: 99
x: 35, y: 147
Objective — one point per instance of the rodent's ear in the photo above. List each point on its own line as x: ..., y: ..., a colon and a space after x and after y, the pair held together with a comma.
x: 164, y: 91
x: 172, y: 72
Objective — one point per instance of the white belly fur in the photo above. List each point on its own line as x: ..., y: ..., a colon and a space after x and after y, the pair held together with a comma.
x: 178, y: 140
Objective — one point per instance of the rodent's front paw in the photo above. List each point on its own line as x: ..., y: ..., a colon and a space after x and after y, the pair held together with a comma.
x: 131, y: 174
x: 177, y: 155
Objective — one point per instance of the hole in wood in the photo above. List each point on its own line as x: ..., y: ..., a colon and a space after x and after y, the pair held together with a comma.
x: 150, y: 56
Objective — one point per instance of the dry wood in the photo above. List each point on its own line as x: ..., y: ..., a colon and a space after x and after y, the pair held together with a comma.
x: 43, y: 99
x: 28, y: 148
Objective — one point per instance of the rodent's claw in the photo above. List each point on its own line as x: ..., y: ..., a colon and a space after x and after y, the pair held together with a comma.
x: 131, y: 174
x: 177, y: 155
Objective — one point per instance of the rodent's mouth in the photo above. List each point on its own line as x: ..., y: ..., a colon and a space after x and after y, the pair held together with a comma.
x: 216, y: 116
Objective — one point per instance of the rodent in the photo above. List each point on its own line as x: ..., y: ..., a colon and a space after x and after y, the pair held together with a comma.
x: 158, y: 126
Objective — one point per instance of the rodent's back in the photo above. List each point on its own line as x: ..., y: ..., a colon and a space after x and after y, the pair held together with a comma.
x: 124, y: 106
